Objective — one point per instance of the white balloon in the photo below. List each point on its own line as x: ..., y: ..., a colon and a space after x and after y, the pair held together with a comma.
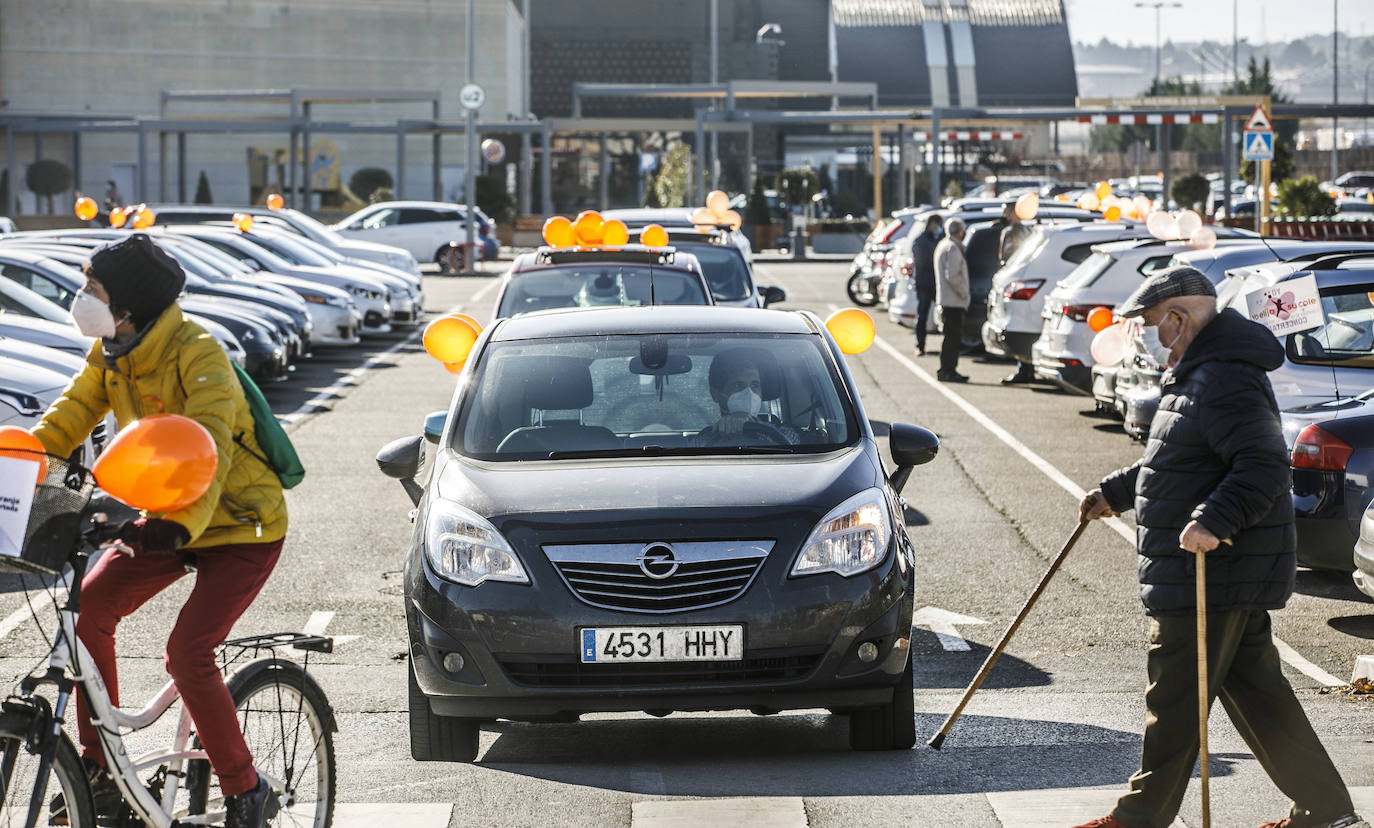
x: 1109, y: 346
x: 1160, y: 225
x: 1188, y: 223
x: 1205, y: 238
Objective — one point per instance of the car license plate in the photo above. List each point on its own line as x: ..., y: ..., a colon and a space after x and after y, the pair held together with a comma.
x: 625, y: 644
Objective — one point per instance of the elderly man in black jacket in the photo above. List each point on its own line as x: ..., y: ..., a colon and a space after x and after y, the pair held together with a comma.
x: 1214, y: 480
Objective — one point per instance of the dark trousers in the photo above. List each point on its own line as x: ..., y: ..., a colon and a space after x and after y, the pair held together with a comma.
x: 228, y: 578
x: 925, y: 300
x: 1243, y: 670
x: 954, y: 340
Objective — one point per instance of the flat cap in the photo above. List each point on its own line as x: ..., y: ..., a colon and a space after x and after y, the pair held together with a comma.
x: 1180, y: 280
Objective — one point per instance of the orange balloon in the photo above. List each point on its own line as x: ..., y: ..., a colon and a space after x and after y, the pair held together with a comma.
x: 1099, y: 319
x: 1102, y: 190
x: 143, y: 218
x: 653, y: 235
x: 853, y: 330
x: 275, y: 201
x: 615, y: 232
x: 590, y: 227
x: 161, y: 463
x: 448, y: 339
x: 476, y: 326
x: 732, y: 218
x: 454, y: 367
x: 558, y: 232
x: 19, y: 444
x: 705, y: 220
x: 1027, y: 206
x: 718, y: 203
x: 1112, y: 213
x: 85, y: 208
x: 118, y: 217
x: 243, y: 221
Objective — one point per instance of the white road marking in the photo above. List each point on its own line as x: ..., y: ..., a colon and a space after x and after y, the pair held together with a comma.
x: 40, y: 600
x: 941, y: 622
x: 372, y: 814
x: 1050, y: 808
x: 354, y: 375
x: 316, y: 625
x: 755, y: 812
x: 1287, y: 653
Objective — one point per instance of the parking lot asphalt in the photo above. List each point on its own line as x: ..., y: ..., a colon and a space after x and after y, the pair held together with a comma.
x: 1048, y: 741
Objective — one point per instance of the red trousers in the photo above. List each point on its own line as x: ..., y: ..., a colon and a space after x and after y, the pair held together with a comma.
x: 228, y: 578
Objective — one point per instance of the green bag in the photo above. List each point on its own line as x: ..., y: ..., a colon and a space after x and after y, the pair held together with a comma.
x: 272, y: 438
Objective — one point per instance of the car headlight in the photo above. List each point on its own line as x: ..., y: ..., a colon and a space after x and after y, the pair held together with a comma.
x: 851, y: 539
x: 463, y: 547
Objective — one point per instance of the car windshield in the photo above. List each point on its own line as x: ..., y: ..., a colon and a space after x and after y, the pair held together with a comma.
x: 292, y: 250
x: 1346, y: 337
x: 724, y: 269
x: 650, y: 395
x: 1029, y: 249
x: 311, y: 228
x: 598, y: 285
x: 1088, y: 270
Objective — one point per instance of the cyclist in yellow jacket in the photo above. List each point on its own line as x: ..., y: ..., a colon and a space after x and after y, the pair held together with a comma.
x: 150, y: 359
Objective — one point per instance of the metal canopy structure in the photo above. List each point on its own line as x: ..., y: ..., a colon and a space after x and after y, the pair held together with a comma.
x: 727, y: 92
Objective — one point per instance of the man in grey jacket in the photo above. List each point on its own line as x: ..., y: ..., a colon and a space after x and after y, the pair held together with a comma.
x: 952, y: 295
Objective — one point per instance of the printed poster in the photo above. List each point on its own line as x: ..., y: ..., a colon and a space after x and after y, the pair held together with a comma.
x: 1288, y: 307
x: 17, y: 479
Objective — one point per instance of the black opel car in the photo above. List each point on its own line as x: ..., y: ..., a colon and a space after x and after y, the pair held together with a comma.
x: 658, y: 509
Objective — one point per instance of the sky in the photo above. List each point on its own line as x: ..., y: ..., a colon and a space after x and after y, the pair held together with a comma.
x: 1260, y: 20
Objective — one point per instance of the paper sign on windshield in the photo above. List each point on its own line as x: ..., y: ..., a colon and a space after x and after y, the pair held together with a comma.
x: 1288, y: 307
x: 16, y: 499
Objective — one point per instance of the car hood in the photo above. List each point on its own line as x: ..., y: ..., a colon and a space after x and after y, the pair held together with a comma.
x: 655, y: 488
x: 43, y: 332
x: 18, y: 375
x: 63, y: 362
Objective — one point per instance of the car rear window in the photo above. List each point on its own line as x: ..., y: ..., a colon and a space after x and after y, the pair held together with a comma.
x: 724, y: 269
x: 1346, y: 338
x: 1088, y: 270
x: 653, y: 394
x: 599, y: 285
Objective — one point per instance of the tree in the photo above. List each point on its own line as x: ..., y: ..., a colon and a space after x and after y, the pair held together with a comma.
x: 756, y: 210
x: 1190, y: 190
x: 1305, y: 197
x: 48, y: 178
x: 493, y: 199
x: 203, y: 190
x: 368, y: 180
x: 670, y: 185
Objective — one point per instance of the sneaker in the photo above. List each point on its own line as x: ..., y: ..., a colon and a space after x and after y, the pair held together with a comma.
x: 1107, y: 821
x: 1347, y: 821
x: 104, y: 795
x: 251, y: 809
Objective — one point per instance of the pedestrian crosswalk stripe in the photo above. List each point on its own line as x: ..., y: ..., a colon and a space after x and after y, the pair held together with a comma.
x: 756, y: 812
x: 1055, y: 808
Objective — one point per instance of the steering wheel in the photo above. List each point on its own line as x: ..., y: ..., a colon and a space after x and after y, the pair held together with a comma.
x: 767, y: 430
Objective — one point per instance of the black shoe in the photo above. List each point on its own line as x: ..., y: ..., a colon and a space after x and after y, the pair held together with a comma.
x: 251, y: 809
x: 920, y: 350
x: 1023, y: 374
x: 106, y: 798
x: 950, y: 376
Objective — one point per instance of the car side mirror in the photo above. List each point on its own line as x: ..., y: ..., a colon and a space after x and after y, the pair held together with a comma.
x: 911, y: 446
x: 403, y: 459
x: 434, y: 425
x: 773, y: 295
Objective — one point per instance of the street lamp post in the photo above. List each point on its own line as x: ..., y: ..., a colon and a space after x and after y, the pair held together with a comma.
x: 1160, y: 134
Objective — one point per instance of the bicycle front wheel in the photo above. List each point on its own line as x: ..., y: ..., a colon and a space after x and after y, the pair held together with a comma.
x: 288, y: 726
x: 67, y: 800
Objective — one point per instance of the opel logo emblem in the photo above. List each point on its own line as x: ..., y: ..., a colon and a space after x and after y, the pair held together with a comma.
x: 657, y: 561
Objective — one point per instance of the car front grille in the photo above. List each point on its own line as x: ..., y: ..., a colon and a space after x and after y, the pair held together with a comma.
x: 690, y: 576
x: 576, y: 674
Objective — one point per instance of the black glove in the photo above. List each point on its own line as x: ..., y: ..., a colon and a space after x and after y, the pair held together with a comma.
x: 161, y: 537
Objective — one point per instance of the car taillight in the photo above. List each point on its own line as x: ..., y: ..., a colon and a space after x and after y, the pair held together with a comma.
x: 1023, y: 290
x: 1079, y: 313
x: 1319, y: 449
x: 887, y: 237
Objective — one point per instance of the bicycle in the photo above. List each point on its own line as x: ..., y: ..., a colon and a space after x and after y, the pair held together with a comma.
x: 286, y: 718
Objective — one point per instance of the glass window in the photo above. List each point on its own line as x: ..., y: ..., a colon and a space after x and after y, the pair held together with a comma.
x: 293, y: 251
x: 1347, y: 337
x: 1088, y: 270
x: 382, y: 218
x: 724, y: 269
x: 654, y: 394
x: 1154, y: 263
x: 412, y: 215
x: 38, y: 283
x: 598, y: 285
x: 1076, y: 253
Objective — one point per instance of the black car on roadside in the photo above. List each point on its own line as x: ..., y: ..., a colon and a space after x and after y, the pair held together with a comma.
x: 595, y: 536
x: 1332, y: 458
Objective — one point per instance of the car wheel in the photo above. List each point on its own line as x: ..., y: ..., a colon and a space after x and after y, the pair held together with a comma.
x: 890, y: 727
x: 860, y: 288
x: 438, y: 738
x: 441, y: 258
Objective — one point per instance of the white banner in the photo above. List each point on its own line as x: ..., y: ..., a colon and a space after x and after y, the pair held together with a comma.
x: 17, y: 479
x: 1288, y: 307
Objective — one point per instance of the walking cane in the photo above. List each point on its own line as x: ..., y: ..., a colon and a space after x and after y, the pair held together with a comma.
x: 1202, y: 685
x: 938, y: 739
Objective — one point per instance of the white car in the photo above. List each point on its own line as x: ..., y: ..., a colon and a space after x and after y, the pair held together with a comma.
x: 27, y: 390
x: 423, y: 228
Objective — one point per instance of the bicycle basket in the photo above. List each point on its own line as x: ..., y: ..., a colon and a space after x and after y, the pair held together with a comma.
x: 55, y: 519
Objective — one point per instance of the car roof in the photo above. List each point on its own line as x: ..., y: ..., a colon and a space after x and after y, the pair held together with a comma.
x: 651, y: 215
x: 633, y: 253
x: 650, y: 320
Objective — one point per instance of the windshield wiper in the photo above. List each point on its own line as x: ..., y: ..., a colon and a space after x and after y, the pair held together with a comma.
x: 667, y: 451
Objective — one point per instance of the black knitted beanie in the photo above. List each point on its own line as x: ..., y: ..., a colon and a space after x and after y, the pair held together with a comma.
x: 140, y: 277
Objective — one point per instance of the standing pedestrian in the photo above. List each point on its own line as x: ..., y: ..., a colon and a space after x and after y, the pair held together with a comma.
x: 923, y: 268
x: 113, y: 197
x: 1014, y: 234
x: 1215, y: 472
x: 952, y: 295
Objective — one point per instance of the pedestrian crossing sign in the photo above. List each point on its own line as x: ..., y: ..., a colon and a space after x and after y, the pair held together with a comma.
x: 1258, y: 146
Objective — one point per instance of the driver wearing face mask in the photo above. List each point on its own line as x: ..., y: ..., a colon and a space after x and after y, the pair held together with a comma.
x: 736, y: 384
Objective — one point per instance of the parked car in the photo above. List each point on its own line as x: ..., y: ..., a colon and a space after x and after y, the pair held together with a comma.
x: 632, y: 275
x: 589, y: 541
x: 674, y: 219
x: 1364, y: 554
x: 423, y: 228
x: 726, y: 264
x: 27, y: 390
x: 866, y: 270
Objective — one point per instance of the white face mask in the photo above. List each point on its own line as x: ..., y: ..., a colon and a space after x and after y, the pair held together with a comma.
x: 1149, y: 337
x: 92, y: 316
x: 744, y: 401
